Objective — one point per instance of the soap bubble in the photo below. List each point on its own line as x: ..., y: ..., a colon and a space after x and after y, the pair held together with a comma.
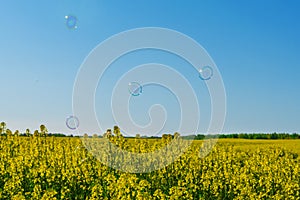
x: 72, y: 122
x: 205, y: 73
x: 135, y: 89
x: 71, y: 21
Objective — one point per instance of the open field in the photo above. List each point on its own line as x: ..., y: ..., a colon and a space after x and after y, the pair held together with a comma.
x: 61, y: 168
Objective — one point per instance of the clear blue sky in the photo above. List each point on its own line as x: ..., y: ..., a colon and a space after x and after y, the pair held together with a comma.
x: 255, y: 44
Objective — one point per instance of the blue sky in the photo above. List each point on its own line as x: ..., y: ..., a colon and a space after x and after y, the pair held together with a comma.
x: 255, y: 45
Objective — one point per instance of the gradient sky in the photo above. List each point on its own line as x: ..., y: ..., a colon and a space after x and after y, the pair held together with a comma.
x: 255, y: 44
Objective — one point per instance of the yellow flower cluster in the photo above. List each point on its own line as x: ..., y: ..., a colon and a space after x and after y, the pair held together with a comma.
x: 62, y: 168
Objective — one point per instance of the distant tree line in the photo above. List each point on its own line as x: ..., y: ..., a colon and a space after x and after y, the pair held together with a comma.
x: 272, y: 136
x: 264, y: 136
x: 43, y: 132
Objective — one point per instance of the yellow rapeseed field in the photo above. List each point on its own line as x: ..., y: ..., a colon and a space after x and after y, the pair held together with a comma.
x: 39, y: 167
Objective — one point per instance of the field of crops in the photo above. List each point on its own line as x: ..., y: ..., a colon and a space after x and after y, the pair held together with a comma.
x: 39, y: 167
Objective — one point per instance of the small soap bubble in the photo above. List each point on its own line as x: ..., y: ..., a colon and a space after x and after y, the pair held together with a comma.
x: 72, y: 122
x: 71, y: 21
x: 134, y: 88
x: 205, y: 73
